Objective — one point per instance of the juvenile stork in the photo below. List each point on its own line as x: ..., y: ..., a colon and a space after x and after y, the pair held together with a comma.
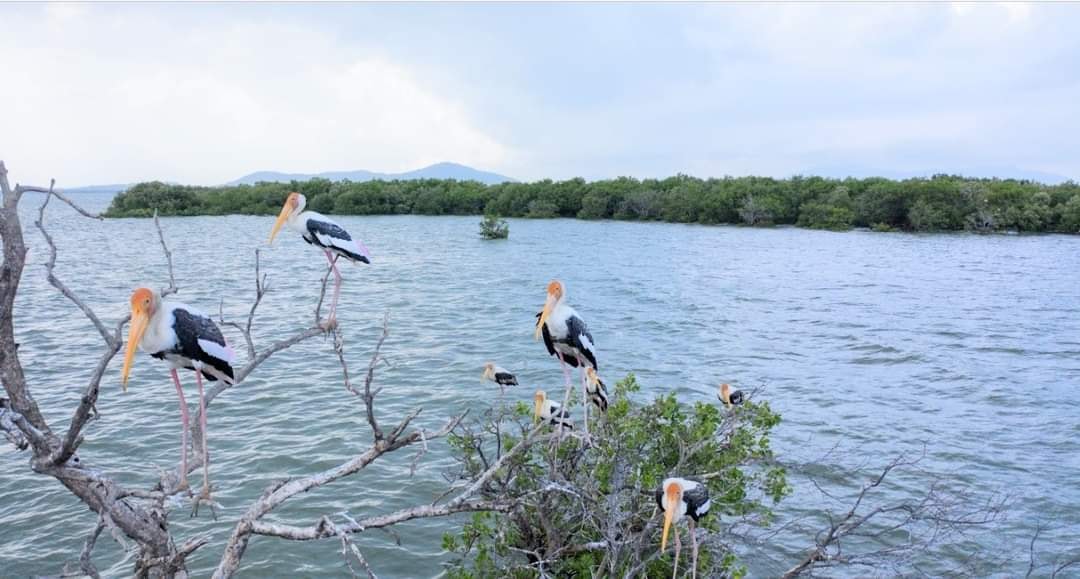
x: 550, y: 411
x: 679, y: 497
x: 184, y: 338
x: 320, y: 231
x: 567, y: 337
x: 730, y: 397
x: 596, y: 390
x: 499, y: 375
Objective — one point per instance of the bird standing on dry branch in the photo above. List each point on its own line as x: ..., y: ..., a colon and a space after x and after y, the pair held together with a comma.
x: 550, y: 411
x: 499, y: 375
x: 730, y: 397
x: 320, y: 231
x: 184, y: 338
x: 566, y: 337
x: 679, y: 497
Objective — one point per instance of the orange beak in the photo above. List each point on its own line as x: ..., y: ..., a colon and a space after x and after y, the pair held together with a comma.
x: 548, y: 306
x: 673, y: 498
x: 140, y: 320
x: 286, y: 210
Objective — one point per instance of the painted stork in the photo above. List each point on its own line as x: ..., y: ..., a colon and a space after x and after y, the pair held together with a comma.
x: 567, y: 337
x: 679, y: 497
x: 320, y: 231
x: 730, y: 397
x: 499, y: 375
x: 184, y: 338
x: 596, y: 390
x: 550, y: 411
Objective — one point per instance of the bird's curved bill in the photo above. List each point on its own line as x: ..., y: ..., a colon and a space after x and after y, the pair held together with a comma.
x: 285, y: 211
x: 548, y: 306
x: 139, y: 323
x: 538, y: 402
x: 673, y: 499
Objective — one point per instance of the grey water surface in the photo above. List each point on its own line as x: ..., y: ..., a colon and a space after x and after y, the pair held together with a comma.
x: 870, y: 345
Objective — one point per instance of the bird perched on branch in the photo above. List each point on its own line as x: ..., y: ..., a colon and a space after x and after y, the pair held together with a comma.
x: 550, y: 411
x: 321, y: 231
x: 499, y: 375
x: 596, y: 390
x: 730, y: 397
x: 567, y: 337
x: 679, y: 497
x: 185, y: 338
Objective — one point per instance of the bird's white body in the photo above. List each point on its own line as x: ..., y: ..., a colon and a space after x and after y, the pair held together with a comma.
x: 550, y: 409
x: 161, y: 336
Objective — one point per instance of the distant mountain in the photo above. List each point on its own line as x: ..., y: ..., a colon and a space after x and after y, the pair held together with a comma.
x: 436, y: 171
x: 115, y: 188
x: 987, y: 172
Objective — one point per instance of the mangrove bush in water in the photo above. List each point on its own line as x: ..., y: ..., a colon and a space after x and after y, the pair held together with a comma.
x: 940, y: 203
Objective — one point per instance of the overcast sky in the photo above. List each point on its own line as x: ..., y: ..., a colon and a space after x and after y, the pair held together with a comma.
x: 202, y: 94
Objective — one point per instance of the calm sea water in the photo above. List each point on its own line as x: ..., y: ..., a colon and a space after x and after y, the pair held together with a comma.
x: 870, y: 344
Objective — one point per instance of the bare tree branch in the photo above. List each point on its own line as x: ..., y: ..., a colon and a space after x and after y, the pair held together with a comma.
x: 168, y: 258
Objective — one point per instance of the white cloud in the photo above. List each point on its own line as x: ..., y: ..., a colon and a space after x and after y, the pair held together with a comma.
x: 110, y: 94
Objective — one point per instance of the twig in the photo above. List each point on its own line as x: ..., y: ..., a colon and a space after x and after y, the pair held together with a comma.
x: 168, y: 258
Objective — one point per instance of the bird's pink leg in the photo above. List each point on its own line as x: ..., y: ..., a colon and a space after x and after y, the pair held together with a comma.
x: 569, y: 386
x: 337, y: 287
x: 584, y: 396
x: 693, y: 544
x: 205, y: 436
x: 678, y: 547
x: 183, y: 431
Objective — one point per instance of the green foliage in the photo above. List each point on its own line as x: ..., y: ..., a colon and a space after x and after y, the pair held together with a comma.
x: 940, y: 203
x: 492, y: 227
x: 576, y: 494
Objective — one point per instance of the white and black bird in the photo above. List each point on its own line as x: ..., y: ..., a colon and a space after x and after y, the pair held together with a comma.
x: 596, y: 390
x: 185, y: 338
x: 322, y: 232
x: 678, y: 498
x: 550, y: 411
x: 566, y: 336
x: 730, y: 397
x: 499, y: 375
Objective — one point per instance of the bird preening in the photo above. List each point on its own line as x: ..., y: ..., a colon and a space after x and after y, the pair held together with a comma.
x: 184, y: 338
x: 322, y: 232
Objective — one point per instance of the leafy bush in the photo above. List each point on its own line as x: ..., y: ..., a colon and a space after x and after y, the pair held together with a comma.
x: 589, y: 511
x: 492, y: 227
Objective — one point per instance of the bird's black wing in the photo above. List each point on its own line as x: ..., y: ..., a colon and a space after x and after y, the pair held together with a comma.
x: 659, y: 496
x: 332, y: 236
x: 580, y: 338
x: 697, y: 501
x: 195, y: 334
x: 599, y: 397
x: 506, y: 379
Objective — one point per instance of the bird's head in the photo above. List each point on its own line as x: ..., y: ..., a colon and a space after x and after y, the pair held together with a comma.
x: 144, y: 302
x: 294, y: 204
x: 673, y: 494
x: 489, y: 371
x: 538, y: 403
x: 725, y: 394
x: 591, y: 377
x: 555, y: 292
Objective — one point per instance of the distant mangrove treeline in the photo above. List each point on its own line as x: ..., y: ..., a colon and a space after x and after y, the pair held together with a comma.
x: 940, y: 203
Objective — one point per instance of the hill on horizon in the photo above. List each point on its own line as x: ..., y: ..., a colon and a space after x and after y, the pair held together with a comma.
x: 436, y: 171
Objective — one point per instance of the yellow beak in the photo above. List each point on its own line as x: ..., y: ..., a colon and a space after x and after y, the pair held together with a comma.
x: 139, y: 322
x: 669, y: 514
x: 538, y: 402
x: 548, y: 306
x: 725, y: 394
x: 284, y: 215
